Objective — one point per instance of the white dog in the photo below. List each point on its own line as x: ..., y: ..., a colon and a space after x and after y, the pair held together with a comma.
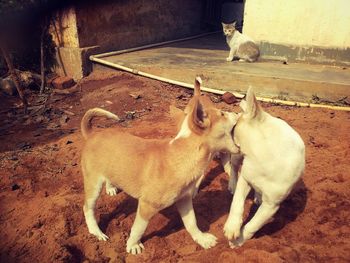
x: 273, y: 157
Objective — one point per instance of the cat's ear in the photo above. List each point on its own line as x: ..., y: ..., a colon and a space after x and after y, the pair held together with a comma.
x: 223, y: 24
x: 234, y: 24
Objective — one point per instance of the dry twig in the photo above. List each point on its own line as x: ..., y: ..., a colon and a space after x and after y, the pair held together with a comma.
x: 14, y: 75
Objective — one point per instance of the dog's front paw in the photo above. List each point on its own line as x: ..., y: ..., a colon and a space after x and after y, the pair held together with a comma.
x: 232, y: 231
x: 245, y: 235
x: 236, y: 243
x: 135, y: 248
x: 229, y: 59
x: 100, y: 235
x: 239, y: 240
x: 206, y: 240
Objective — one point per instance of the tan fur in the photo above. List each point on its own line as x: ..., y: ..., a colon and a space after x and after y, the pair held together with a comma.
x: 156, y: 172
x: 86, y: 121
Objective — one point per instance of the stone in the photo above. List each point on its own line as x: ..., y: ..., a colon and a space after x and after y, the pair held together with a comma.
x: 63, y: 82
x: 229, y: 98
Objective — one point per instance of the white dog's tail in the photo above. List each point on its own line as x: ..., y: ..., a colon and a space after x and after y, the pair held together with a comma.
x: 89, y: 115
x: 250, y: 106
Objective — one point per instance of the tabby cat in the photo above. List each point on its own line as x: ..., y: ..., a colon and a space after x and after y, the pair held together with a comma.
x: 241, y: 46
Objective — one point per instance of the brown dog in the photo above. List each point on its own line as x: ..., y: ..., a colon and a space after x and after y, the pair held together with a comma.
x: 156, y: 172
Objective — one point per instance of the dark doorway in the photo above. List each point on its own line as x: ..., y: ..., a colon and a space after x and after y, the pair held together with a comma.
x: 225, y: 11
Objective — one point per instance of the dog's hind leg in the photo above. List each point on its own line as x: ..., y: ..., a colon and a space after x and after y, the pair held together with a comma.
x: 92, y: 191
x: 110, y: 189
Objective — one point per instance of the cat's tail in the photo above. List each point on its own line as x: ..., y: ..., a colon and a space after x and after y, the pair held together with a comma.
x: 86, y: 126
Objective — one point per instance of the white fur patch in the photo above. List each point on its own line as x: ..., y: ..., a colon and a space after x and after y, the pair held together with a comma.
x: 133, y: 245
x: 184, y: 131
x: 89, y: 212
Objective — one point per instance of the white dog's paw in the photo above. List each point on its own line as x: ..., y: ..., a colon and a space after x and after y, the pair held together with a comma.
x: 236, y: 243
x: 242, y: 238
x: 135, y: 248
x: 229, y: 59
x: 206, y: 240
x: 111, y: 190
x: 232, y: 231
x: 100, y: 235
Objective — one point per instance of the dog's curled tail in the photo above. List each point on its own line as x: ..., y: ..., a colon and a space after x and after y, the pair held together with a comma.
x: 89, y: 115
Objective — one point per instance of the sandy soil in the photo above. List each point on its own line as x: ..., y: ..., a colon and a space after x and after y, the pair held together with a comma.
x: 41, y: 190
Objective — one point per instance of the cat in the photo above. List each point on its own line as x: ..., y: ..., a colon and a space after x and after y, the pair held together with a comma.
x: 241, y: 46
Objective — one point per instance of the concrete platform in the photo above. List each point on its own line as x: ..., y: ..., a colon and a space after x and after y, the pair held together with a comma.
x: 206, y: 56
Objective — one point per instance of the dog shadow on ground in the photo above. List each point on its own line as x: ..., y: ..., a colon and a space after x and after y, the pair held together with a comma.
x: 209, y: 206
x: 124, y: 208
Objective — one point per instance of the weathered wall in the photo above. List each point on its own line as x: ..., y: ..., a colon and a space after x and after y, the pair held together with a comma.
x: 316, y: 29
x: 64, y: 29
x: 321, y: 23
x: 71, y: 59
x: 114, y: 25
x: 92, y: 27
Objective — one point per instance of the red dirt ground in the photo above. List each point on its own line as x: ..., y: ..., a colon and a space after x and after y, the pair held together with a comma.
x: 41, y: 189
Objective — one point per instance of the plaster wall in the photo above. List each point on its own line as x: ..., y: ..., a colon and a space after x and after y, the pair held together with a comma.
x: 321, y: 23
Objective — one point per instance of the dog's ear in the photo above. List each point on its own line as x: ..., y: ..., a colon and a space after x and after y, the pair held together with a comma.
x: 250, y: 106
x: 199, y: 119
x: 199, y: 116
x: 197, y: 86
